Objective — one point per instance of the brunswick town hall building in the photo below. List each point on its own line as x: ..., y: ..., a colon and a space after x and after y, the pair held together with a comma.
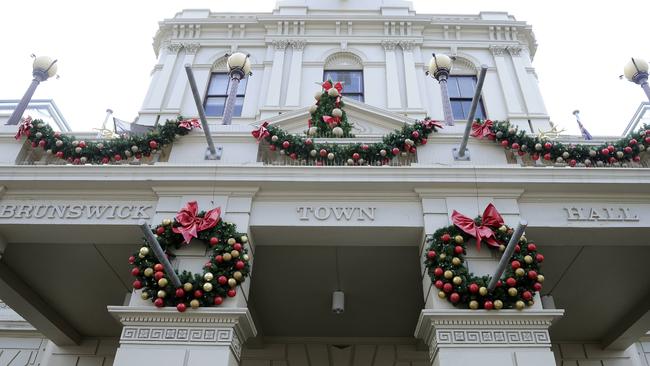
x: 310, y: 246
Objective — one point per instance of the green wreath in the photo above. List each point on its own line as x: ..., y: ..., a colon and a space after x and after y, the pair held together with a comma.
x: 227, y: 267
x: 444, y: 261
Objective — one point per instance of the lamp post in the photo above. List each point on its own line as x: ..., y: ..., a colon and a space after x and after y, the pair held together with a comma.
x: 43, y: 68
x: 240, y: 67
x: 636, y: 71
x: 439, y: 69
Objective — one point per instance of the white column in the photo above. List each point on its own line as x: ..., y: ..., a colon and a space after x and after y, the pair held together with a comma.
x: 412, y: 89
x: 181, y: 84
x: 532, y: 97
x: 295, y: 74
x: 157, y: 91
x: 393, y: 99
x: 508, y: 84
x: 275, y: 82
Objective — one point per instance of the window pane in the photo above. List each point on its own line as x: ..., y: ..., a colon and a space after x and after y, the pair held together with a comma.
x: 352, y: 80
x: 480, y: 113
x: 239, y: 104
x: 241, y: 88
x: 218, y: 84
x: 214, y: 106
x: 457, y: 109
x: 358, y: 97
x: 452, y: 87
x: 466, y: 86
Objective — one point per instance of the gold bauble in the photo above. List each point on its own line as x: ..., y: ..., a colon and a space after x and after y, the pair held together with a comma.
x: 238, y: 276
x: 235, y: 253
x: 207, y: 287
x: 540, y: 278
x: 457, y: 280
x: 161, y: 294
x: 528, y: 259
x: 167, y: 222
x: 195, y: 304
x: 449, y: 274
x: 144, y: 250
x: 459, y: 239
x: 232, y: 241
x: 187, y: 287
x: 520, y: 272
x: 442, y: 256
x: 498, y: 304
x: 502, y: 248
x: 245, y: 257
x: 442, y: 294
x: 144, y: 296
x: 512, y: 291
x: 473, y: 304
x: 141, y: 256
x: 531, y: 302
x: 455, y: 261
x: 523, y: 239
x: 232, y: 282
x: 148, y: 272
x: 208, y: 276
x: 483, y: 291
x: 227, y: 257
x: 520, y: 305
x: 503, y: 228
x: 163, y: 282
x: 244, y: 239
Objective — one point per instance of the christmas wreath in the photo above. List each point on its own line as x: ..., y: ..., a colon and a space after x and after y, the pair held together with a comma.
x: 75, y: 151
x: 625, y: 150
x: 446, y: 250
x: 228, y: 263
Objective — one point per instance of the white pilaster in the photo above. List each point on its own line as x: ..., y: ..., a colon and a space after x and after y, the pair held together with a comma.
x: 275, y: 82
x: 393, y: 99
x: 181, y: 84
x: 412, y: 90
x: 532, y: 97
x: 159, y: 88
x: 508, y: 84
x: 295, y: 75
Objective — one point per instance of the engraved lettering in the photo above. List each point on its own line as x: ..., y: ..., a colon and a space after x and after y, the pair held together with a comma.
x: 322, y: 213
x: 24, y: 211
x: 593, y: 215
x: 142, y: 212
x: 57, y: 210
x: 7, y: 211
x: 369, y: 212
x: 74, y: 212
x: 600, y: 214
x: 572, y: 213
x: 339, y: 212
x: 629, y: 216
x: 303, y: 211
x: 96, y: 211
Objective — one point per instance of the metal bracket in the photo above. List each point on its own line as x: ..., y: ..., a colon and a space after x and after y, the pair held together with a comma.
x: 216, y: 155
x: 457, y: 157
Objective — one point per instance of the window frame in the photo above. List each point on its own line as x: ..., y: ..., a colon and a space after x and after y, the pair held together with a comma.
x: 481, y: 105
x: 208, y: 95
x: 345, y: 94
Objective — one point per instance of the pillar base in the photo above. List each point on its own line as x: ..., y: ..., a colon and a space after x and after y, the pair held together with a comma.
x: 167, y: 337
x: 480, y: 337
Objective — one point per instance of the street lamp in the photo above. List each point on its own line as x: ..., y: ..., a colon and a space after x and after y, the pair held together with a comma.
x: 240, y: 66
x: 43, y: 68
x: 636, y: 71
x: 439, y: 69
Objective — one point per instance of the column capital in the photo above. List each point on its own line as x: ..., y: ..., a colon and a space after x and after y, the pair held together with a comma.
x: 389, y: 45
x: 191, y: 47
x: 515, y: 50
x: 498, y: 50
x: 174, y: 47
x: 298, y: 44
x: 407, y: 45
x: 280, y: 44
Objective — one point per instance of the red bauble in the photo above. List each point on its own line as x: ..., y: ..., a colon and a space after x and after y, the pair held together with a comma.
x: 218, y: 258
x: 308, y: 142
x: 365, y: 147
x: 547, y: 156
x: 511, y: 282
x: 131, y: 259
x: 527, y: 295
x: 222, y: 280
x: 473, y: 288
x: 57, y: 134
x: 137, y: 284
x: 34, y: 143
x: 455, y: 297
x: 59, y: 154
x: 293, y: 156
x: 42, y: 143
x: 214, y: 241
x: 232, y: 292
x: 76, y: 161
x: 539, y: 258
x: 82, y: 144
x: 356, y: 156
x: 240, y: 265
x: 521, y: 153
x: 573, y: 162
x: 537, y: 286
x: 431, y: 254
x: 395, y: 151
x: 160, y: 230
x: 445, y: 237
x: 105, y: 159
x: 611, y: 148
x: 237, y: 246
x: 627, y: 150
x: 272, y: 148
x: 415, y: 134
x: 633, y: 142
x: 438, y: 272
x: 218, y: 300
x: 135, y: 271
x: 181, y: 307
x: 532, y: 247
x: 413, y: 150
x: 117, y: 157
x: 604, y: 151
x: 637, y: 158
x: 158, y: 267
x: 323, y: 152
x: 548, y: 146
x: 159, y: 302
x: 612, y: 160
x: 286, y: 144
x: 515, y: 146
x: 647, y: 140
x: 198, y: 293
x: 499, y: 283
x: 488, y: 305
x: 532, y: 275
x: 423, y: 141
x: 153, y: 144
x: 180, y: 292
x: 505, y: 143
x: 447, y: 287
x: 458, y: 249
x: 517, y: 248
x: 158, y: 275
x: 439, y: 284
x: 515, y: 264
x: 535, y: 157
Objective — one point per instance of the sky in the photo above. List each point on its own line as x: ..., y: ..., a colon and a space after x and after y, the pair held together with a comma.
x: 105, y: 53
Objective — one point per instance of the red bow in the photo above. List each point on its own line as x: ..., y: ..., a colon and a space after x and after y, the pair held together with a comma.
x: 331, y: 121
x: 326, y: 85
x: 491, y: 218
x: 431, y: 124
x: 190, y: 123
x: 262, y: 132
x: 481, y: 130
x: 338, y: 101
x: 191, y: 224
x: 338, y: 86
x: 24, y: 128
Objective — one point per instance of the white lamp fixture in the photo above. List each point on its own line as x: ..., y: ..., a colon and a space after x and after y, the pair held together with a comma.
x: 239, y: 66
x: 43, y: 68
x: 636, y: 71
x: 440, y: 63
x: 45, y: 65
x: 338, y: 302
x: 439, y: 68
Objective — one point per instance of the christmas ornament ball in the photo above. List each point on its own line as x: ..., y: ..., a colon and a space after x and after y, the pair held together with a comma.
x: 443, y: 256
x: 244, y: 239
x: 498, y: 304
x: 218, y: 300
x: 503, y: 228
x: 336, y: 112
x: 181, y: 307
x: 245, y: 257
x: 159, y: 302
x: 333, y: 92
x: 312, y: 131
x: 337, y: 131
x: 148, y: 272
x: 502, y: 248
x: 483, y: 291
x: 520, y: 305
x: 180, y: 292
x: 195, y: 304
x: 488, y: 305
x: 144, y: 251
x: 449, y: 274
x: 330, y: 156
x: 457, y: 280
x: 473, y: 288
x: 208, y: 276
x: 473, y: 304
x: 232, y: 282
x: 232, y: 292
x: 520, y: 272
x: 187, y: 286
x: 313, y: 108
x: 238, y: 276
x: 144, y: 296
x: 442, y: 294
x: 167, y: 222
x: 456, y: 261
x: 207, y: 287
x: 161, y: 294
x: 318, y: 95
x: 528, y: 259
x: 459, y: 239
x: 234, y: 253
x: 455, y: 297
x: 512, y: 291
x: 163, y: 282
x: 540, y: 278
x: 227, y: 257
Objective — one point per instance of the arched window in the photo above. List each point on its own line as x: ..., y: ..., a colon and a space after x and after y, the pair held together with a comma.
x: 215, y: 98
x: 461, y: 85
x: 347, y: 68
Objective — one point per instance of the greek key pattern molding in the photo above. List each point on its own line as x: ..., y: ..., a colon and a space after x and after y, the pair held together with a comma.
x: 494, y: 337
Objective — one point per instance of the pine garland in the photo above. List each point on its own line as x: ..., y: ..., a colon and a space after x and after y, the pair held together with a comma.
x: 328, y: 118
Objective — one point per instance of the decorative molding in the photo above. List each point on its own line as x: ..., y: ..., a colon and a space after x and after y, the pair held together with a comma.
x: 221, y: 64
x: 514, y: 50
x: 464, y: 66
x: 494, y: 337
x: 343, y: 60
x: 298, y: 44
x: 389, y: 45
x: 174, y: 47
x: 191, y: 48
x: 498, y: 50
x: 407, y: 45
x: 280, y: 44
x: 176, y: 335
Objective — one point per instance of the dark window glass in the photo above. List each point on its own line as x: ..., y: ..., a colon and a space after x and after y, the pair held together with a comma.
x: 215, y: 100
x: 352, y: 81
x: 461, y: 92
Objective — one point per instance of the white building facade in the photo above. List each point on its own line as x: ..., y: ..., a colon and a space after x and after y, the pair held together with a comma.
x: 67, y: 230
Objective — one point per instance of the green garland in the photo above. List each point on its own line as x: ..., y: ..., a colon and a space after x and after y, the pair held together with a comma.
x: 76, y: 151
x: 627, y: 149
x: 444, y: 263
x: 227, y: 267
x: 329, y: 107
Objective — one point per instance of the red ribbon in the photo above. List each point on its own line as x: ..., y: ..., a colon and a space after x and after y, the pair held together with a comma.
x: 331, y: 121
x: 24, y: 128
x: 326, y: 85
x: 190, y: 123
x: 262, y: 132
x: 491, y: 218
x: 338, y: 101
x: 338, y: 86
x: 481, y: 130
x: 431, y: 124
x: 191, y: 224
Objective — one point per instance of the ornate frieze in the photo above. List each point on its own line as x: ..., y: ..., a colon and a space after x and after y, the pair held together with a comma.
x: 298, y: 44
x: 174, y: 47
x: 407, y: 45
x: 389, y: 45
x: 280, y: 44
x: 514, y: 50
x: 491, y: 337
x: 191, y: 47
x: 498, y: 50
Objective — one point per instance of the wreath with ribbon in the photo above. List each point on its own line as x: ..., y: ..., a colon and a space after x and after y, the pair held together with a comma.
x: 227, y: 267
x: 445, y: 257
